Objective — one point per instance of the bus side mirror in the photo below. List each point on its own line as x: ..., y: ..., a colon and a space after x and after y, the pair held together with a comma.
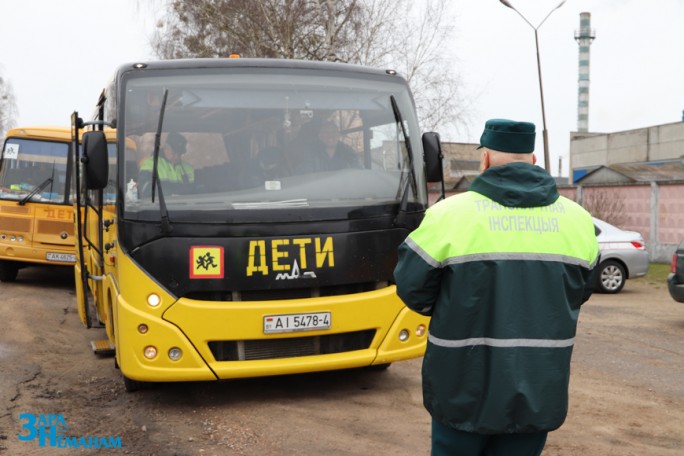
x: 95, y: 160
x: 432, y: 150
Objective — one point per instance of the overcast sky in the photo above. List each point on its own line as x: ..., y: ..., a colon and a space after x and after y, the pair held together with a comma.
x: 58, y: 54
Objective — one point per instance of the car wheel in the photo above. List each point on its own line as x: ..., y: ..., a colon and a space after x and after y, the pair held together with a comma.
x: 8, y: 271
x: 611, y: 277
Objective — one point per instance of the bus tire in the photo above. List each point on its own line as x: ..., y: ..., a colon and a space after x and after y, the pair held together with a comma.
x: 378, y: 367
x: 8, y: 271
x: 133, y: 385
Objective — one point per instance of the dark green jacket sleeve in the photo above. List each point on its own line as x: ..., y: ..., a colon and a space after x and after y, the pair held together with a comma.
x: 591, y: 280
x: 417, y: 281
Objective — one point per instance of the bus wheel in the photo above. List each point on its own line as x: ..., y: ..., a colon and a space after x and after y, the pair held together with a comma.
x: 133, y: 385
x: 378, y: 367
x: 8, y: 271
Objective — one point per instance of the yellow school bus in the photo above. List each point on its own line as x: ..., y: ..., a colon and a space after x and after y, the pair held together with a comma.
x: 36, y: 211
x: 240, y: 240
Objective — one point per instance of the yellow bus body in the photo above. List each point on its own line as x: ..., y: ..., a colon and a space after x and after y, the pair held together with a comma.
x: 191, y: 324
x: 161, y: 319
x: 34, y: 232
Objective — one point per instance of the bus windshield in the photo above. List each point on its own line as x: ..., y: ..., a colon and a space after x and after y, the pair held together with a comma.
x: 35, y: 170
x: 244, y: 140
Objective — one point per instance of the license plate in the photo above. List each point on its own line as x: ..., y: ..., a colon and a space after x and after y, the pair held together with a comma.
x: 296, y: 322
x: 61, y: 257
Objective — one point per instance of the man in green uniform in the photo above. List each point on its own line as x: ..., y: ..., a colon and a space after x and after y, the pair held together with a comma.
x: 503, y: 270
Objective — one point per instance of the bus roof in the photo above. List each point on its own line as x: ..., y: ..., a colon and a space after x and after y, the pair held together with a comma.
x: 44, y: 132
x: 254, y: 63
x: 51, y: 133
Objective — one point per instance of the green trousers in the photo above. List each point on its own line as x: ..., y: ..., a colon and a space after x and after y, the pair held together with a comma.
x: 450, y: 442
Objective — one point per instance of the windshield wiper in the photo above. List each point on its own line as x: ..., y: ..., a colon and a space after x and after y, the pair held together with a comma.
x: 45, y: 183
x: 156, y: 182
x: 410, y: 179
x: 35, y: 190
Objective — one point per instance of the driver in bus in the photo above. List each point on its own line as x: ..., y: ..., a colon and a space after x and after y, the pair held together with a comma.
x: 327, y: 152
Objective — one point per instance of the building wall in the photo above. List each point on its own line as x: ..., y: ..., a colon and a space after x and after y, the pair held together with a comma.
x: 666, y: 142
x: 643, y: 145
x: 627, y: 147
x: 460, y: 160
x: 588, y: 151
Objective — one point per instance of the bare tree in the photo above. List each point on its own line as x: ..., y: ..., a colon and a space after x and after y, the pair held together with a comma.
x: 296, y: 29
x: 8, y: 107
x: 603, y: 204
x: 405, y: 35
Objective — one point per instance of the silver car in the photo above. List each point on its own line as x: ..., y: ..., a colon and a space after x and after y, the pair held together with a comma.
x: 623, y: 256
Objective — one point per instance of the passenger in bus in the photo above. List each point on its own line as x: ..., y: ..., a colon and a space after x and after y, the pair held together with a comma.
x: 327, y: 153
x: 268, y: 166
x: 272, y: 164
x: 176, y: 175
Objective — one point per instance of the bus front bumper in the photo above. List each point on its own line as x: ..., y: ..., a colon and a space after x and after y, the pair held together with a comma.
x: 224, y: 340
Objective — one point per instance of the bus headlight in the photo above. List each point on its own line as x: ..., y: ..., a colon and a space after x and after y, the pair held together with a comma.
x: 153, y: 300
x: 420, y: 330
x: 150, y: 352
x: 403, y: 335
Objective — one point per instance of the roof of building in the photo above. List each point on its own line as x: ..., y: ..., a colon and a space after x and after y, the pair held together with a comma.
x: 635, y: 172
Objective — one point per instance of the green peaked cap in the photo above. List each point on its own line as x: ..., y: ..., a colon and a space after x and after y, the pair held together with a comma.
x: 508, y: 136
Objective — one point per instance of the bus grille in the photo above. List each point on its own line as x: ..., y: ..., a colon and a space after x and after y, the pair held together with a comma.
x: 55, y: 227
x: 15, y: 224
x: 21, y: 210
x: 292, y: 347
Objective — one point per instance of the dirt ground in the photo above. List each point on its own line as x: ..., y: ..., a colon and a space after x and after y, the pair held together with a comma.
x: 627, y: 392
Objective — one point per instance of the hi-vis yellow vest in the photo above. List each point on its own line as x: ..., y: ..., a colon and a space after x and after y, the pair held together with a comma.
x: 169, y: 172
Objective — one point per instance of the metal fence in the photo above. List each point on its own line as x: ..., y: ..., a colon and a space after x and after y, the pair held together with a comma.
x: 655, y: 209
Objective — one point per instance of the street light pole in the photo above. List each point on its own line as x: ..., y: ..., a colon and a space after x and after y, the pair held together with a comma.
x: 545, y: 134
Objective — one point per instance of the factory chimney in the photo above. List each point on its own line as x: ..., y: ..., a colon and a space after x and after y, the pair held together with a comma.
x: 584, y: 36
